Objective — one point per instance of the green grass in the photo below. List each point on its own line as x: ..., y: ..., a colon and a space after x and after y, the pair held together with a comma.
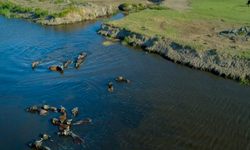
x: 158, y: 7
x: 63, y: 13
x: 244, y: 53
x: 229, y: 10
x: 20, y: 9
x: 9, y: 9
x: 13, y: 8
x: 148, y: 22
x: 58, y: 1
x: 144, y: 22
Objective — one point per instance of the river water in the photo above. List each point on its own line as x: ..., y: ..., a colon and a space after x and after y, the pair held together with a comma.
x: 166, y: 106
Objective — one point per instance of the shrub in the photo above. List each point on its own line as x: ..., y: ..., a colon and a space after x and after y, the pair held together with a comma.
x: 244, y: 81
x: 135, y: 6
x: 7, y: 5
x: 126, y: 4
x: 142, y: 7
x: 127, y: 40
x: 5, y: 12
x: 8, y: 9
x: 39, y: 13
x: 132, y: 7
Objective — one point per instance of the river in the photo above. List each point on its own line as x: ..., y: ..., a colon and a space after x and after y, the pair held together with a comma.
x: 166, y: 106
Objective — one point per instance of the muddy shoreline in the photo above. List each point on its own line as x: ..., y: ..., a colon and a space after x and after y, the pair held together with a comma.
x: 209, y: 60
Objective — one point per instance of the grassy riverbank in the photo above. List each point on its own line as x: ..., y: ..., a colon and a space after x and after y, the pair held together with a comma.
x: 197, y: 27
x: 61, y: 14
x: 56, y: 8
x: 55, y: 12
x: 10, y: 9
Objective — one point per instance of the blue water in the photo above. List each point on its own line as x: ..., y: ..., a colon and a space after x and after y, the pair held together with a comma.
x: 166, y: 106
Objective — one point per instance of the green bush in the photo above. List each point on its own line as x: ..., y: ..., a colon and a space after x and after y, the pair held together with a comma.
x: 132, y: 7
x: 126, y: 4
x: 14, y: 8
x: 142, y: 7
x: 5, y: 12
x: 244, y: 81
x: 135, y: 6
x: 127, y: 40
x: 6, y: 5
x: 39, y: 13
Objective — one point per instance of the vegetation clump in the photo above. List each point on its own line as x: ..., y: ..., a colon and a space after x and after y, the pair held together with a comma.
x: 58, y: 1
x: 244, y: 81
x: 158, y: 7
x: 132, y: 7
x: 63, y: 13
x: 15, y: 8
x: 39, y: 13
x: 126, y: 40
x: 8, y: 8
x: 5, y: 12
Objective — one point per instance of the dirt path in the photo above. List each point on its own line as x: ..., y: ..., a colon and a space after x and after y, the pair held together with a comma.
x: 179, y: 5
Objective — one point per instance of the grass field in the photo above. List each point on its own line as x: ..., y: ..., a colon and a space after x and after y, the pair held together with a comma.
x: 228, y: 10
x: 206, y: 17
